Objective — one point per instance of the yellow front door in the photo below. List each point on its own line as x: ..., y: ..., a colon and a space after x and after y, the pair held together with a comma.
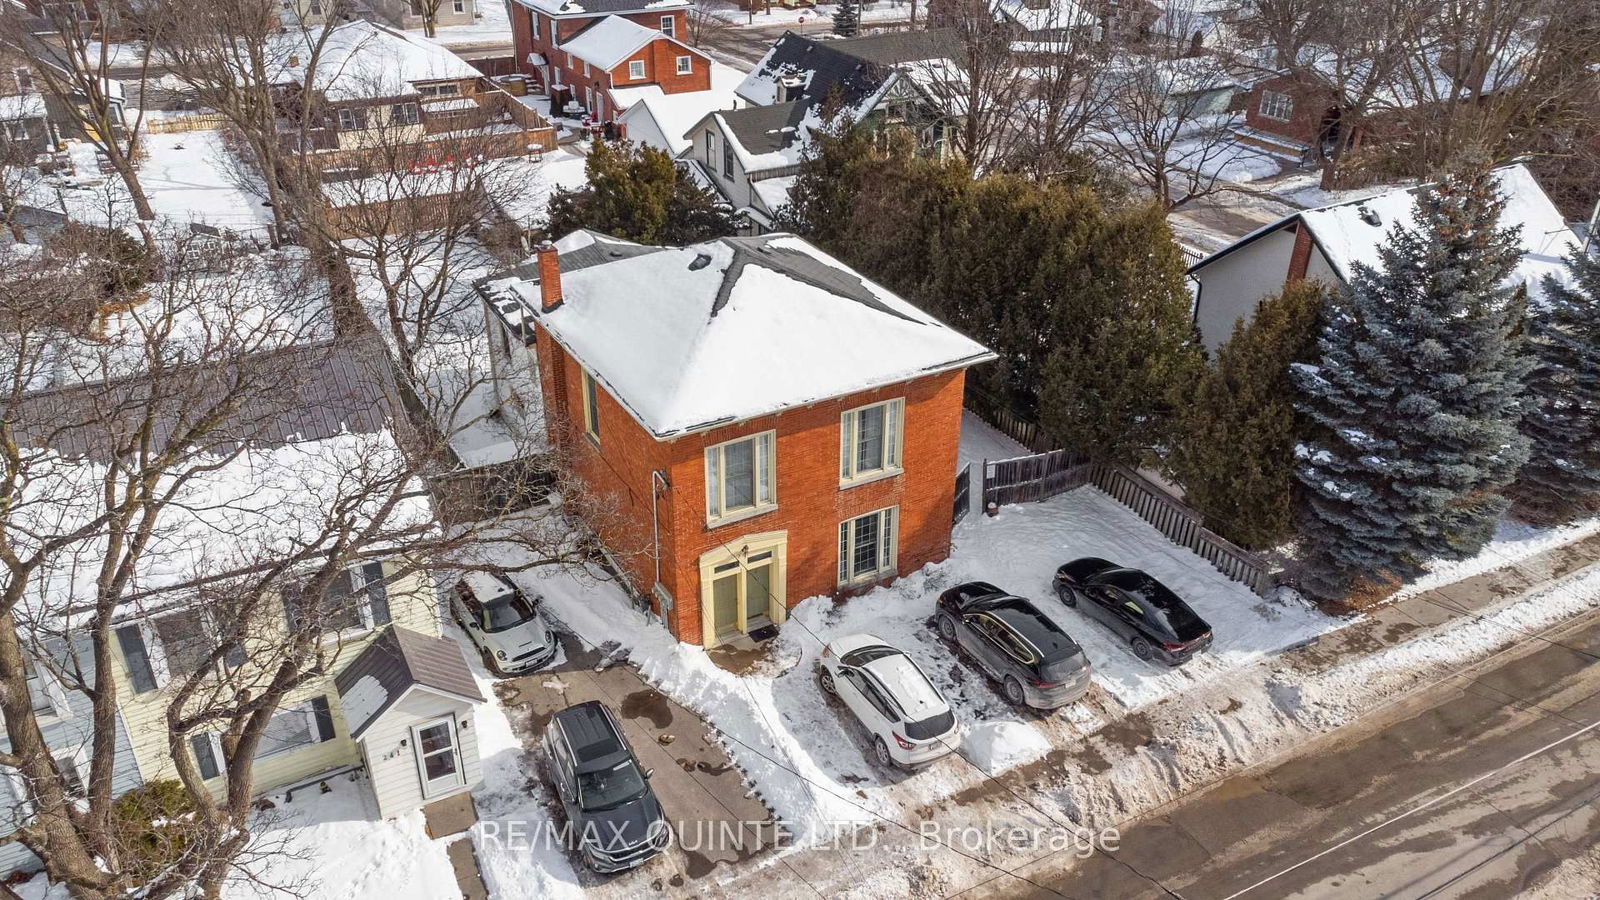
x: 741, y: 581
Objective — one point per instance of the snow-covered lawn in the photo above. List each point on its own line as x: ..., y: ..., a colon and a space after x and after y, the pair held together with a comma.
x: 333, y: 846
x: 492, y: 25
x: 558, y: 169
x: 1234, y: 161
x: 188, y: 177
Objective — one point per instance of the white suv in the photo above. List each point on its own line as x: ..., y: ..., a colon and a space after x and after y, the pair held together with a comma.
x: 910, y: 722
x: 503, y: 622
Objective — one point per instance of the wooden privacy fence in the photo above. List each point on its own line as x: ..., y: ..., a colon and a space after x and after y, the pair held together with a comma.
x: 176, y: 124
x: 1047, y: 474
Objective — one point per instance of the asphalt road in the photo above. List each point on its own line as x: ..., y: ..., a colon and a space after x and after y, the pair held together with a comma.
x: 1478, y: 788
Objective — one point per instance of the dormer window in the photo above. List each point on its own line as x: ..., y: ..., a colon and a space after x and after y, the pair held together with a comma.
x: 790, y: 87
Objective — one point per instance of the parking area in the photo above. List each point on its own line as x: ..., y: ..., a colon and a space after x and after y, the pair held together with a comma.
x: 717, y: 818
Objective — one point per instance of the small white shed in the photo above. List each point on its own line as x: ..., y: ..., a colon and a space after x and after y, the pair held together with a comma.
x: 409, y: 699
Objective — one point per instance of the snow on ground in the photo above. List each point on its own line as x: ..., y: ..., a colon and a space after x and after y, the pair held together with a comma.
x: 1513, y: 542
x: 513, y: 807
x: 491, y: 26
x: 558, y: 169
x: 334, y: 846
x: 879, y: 11
x: 1236, y: 162
x: 188, y: 177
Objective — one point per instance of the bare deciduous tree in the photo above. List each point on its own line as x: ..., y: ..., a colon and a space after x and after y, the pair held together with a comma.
x: 74, y: 64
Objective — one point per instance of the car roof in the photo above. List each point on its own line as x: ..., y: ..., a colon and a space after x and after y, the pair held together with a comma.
x: 596, y: 744
x: 486, y: 587
x: 917, y: 696
x: 1028, y: 621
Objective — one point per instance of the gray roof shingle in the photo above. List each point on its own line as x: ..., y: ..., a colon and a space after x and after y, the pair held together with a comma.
x: 398, y: 660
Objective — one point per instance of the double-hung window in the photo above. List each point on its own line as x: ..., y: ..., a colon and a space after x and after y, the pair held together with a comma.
x: 741, y: 476
x: 867, y: 545
x: 357, y: 600
x: 669, y: 25
x: 685, y: 65
x: 352, y: 118
x: 289, y: 729
x: 533, y: 24
x: 1277, y: 105
x: 711, y: 150
x: 404, y: 114
x: 870, y: 439
x: 636, y: 70
x: 591, y: 408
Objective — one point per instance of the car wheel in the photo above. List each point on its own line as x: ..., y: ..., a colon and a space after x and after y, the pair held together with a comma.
x: 947, y: 627
x: 880, y: 750
x: 827, y: 684
x: 1069, y: 597
x: 1014, y: 693
x: 1142, y: 649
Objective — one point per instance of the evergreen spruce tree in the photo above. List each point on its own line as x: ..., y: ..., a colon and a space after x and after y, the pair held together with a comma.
x: 1234, y: 454
x: 1562, y: 476
x: 1416, y: 397
x: 638, y: 193
x: 847, y: 18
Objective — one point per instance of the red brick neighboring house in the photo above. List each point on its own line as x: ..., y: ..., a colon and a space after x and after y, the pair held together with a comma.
x: 581, y: 51
x: 758, y: 422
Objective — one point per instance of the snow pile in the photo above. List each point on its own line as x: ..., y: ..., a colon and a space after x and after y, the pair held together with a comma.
x: 997, y: 746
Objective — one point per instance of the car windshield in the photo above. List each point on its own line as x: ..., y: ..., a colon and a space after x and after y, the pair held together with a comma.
x: 610, y: 787
x: 867, y: 654
x: 506, y: 612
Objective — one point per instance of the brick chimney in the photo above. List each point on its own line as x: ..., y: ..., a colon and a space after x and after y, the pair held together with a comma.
x: 549, y: 277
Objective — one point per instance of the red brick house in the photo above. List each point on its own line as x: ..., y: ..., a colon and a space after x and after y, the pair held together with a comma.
x: 583, y: 51
x: 758, y: 422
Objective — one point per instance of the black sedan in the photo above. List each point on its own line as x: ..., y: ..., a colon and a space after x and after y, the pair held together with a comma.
x: 1035, y: 661
x: 1155, y: 622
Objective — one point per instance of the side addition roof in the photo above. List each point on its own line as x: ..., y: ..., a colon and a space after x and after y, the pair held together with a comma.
x: 393, y: 665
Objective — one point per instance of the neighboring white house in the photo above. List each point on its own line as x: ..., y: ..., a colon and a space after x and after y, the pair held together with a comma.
x: 1327, y: 244
x: 658, y: 119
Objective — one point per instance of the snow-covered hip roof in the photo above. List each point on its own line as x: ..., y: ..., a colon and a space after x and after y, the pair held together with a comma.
x: 608, y: 42
x: 690, y: 338
x: 1350, y: 233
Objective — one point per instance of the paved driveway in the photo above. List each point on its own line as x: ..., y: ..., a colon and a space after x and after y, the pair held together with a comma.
x: 716, y: 820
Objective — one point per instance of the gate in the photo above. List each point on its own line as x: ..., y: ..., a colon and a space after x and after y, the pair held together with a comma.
x: 963, y: 494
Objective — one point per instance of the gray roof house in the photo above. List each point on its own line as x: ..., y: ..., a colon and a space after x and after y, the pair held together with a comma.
x: 749, y: 156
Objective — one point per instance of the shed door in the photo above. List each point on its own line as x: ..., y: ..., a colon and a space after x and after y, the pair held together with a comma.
x: 438, y: 756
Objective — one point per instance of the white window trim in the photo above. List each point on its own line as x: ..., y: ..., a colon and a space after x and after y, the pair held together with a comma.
x: 636, y: 70
x: 685, y: 65
x: 717, y: 512
x: 888, y: 547
x: 893, y: 443
x: 533, y: 19
x: 669, y: 26
x: 60, y: 707
x: 1288, y: 102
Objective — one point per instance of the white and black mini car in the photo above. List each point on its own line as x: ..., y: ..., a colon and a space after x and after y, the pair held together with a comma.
x: 503, y: 621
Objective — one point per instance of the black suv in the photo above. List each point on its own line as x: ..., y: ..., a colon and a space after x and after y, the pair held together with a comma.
x: 614, y: 816
x: 1153, y: 620
x: 1035, y: 661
